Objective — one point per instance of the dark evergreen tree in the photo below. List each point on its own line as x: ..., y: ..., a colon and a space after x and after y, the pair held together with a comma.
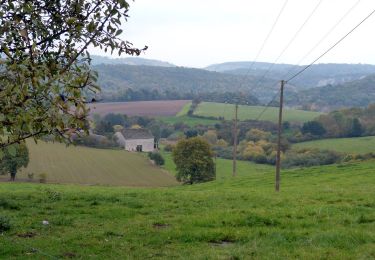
x: 356, y: 128
x: 314, y: 128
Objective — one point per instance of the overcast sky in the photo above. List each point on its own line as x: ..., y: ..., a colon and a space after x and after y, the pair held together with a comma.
x: 196, y: 33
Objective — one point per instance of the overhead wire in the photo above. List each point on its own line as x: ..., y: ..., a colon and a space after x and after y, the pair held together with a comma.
x: 267, y: 105
x: 261, y: 48
x: 324, y: 36
x: 289, y: 43
x: 267, y: 37
x: 311, y: 50
x: 330, y: 48
x: 318, y: 58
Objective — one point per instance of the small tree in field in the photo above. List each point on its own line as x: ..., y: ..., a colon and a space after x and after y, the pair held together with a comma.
x: 193, y: 159
x: 15, y: 157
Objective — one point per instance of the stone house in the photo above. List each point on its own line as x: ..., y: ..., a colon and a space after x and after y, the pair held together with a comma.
x: 136, y: 140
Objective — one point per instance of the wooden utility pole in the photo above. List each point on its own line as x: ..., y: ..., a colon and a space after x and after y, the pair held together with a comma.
x: 278, y: 162
x: 235, y: 140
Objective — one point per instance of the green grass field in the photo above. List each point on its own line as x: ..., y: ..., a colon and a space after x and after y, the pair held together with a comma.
x: 190, y: 121
x: 252, y: 112
x: 184, y: 110
x: 182, y: 117
x: 357, y: 145
x: 93, y: 166
x: 323, y: 212
x: 224, y: 167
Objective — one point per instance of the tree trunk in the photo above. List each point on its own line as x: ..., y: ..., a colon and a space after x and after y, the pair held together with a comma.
x: 13, y: 173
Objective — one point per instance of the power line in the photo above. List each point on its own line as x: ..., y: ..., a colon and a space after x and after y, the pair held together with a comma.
x: 324, y: 53
x: 268, y: 35
x: 289, y: 43
x: 264, y: 42
x: 266, y: 107
x: 312, y: 49
x: 324, y: 36
x: 330, y: 48
x: 260, y: 50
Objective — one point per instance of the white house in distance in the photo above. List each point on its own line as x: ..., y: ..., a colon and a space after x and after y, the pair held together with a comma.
x: 136, y: 140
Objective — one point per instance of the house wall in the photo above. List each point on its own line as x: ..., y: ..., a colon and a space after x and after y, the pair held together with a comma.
x: 131, y: 145
x: 147, y: 145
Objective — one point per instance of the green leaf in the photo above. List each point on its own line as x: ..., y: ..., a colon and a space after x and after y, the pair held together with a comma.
x: 118, y: 32
x: 12, y: 150
x: 1, y: 154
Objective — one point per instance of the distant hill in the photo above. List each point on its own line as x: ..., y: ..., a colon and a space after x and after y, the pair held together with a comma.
x: 322, y: 87
x: 316, y: 76
x: 358, y: 93
x: 96, y: 60
x: 243, y: 66
x: 114, y: 78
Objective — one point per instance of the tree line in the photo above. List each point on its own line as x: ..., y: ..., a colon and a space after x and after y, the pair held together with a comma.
x: 145, y: 94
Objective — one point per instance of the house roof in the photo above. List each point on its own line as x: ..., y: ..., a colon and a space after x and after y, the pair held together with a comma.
x: 137, y: 134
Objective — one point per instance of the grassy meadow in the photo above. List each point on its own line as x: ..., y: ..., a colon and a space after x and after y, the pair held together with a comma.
x: 187, y: 120
x: 224, y: 167
x: 252, y: 112
x: 323, y: 212
x: 184, y: 110
x: 355, y: 145
x: 85, y: 165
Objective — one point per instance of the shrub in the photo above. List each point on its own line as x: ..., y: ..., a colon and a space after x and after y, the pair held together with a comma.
x: 314, y: 128
x: 256, y: 135
x: 43, y: 177
x: 157, y: 158
x: 311, y: 157
x: 30, y: 175
x: 223, y: 152
x: 4, y: 224
x: 97, y: 141
x: 168, y: 147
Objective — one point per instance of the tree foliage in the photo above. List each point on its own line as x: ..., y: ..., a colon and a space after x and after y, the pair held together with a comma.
x: 14, y: 158
x: 193, y: 159
x: 45, y: 77
x: 314, y: 128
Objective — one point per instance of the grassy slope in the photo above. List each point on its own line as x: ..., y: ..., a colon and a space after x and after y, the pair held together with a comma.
x: 182, y: 117
x: 190, y: 121
x: 321, y: 213
x: 184, y: 110
x: 224, y: 167
x: 252, y: 112
x: 358, y: 145
x: 91, y: 166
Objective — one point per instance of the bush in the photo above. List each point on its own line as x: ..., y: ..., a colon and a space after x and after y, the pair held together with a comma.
x: 30, y: 176
x: 168, y: 147
x: 97, y: 141
x: 157, y: 158
x: 43, y: 177
x: 223, y: 152
x: 311, y: 157
x: 313, y: 127
x: 4, y: 224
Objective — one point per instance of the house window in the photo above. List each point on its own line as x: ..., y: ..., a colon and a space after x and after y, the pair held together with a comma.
x: 139, y: 148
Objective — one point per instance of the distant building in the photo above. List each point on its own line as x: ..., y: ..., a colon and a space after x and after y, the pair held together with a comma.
x: 136, y: 140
